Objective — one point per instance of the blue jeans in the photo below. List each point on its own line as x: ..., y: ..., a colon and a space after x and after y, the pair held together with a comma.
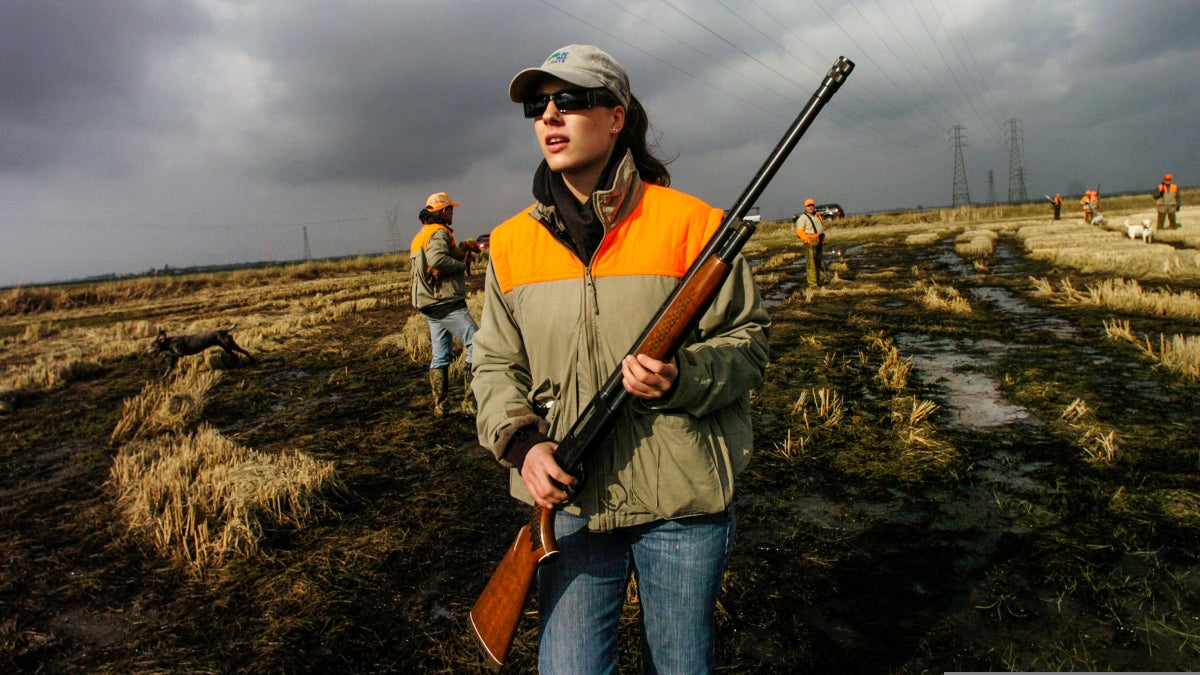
x: 457, y: 324
x: 679, y: 565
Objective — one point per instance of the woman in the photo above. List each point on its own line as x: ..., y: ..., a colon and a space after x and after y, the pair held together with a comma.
x: 573, y: 281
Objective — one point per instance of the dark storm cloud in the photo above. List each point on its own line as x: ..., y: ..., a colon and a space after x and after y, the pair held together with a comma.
x: 386, y: 94
x: 126, y: 122
x: 71, y: 73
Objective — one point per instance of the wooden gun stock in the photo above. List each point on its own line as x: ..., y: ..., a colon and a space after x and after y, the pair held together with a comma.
x: 495, y: 615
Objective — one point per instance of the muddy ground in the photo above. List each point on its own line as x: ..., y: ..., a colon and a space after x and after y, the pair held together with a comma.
x: 1014, y: 554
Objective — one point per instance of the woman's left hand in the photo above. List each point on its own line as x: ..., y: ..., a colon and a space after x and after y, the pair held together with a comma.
x: 648, y: 378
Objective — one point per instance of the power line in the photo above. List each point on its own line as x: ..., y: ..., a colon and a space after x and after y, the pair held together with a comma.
x: 896, y: 59
x: 665, y: 63
x: 866, y: 126
x: 902, y: 140
x: 880, y: 69
x: 933, y: 41
x: 988, y: 124
x: 985, y: 91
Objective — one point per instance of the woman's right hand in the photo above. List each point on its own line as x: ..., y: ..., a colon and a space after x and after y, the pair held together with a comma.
x: 542, y: 476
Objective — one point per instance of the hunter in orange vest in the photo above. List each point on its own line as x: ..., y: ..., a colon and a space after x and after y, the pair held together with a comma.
x: 1167, y: 200
x: 811, y: 229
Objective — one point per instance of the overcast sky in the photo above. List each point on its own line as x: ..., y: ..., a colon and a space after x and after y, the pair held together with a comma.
x: 140, y: 134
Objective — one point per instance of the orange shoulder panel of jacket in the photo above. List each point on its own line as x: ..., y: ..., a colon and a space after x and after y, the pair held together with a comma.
x: 659, y: 237
x: 524, y: 252
x: 425, y: 234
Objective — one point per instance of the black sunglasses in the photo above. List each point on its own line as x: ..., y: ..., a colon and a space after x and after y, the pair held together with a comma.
x: 568, y: 101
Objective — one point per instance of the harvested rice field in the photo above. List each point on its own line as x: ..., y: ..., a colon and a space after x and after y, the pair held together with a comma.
x: 978, y: 449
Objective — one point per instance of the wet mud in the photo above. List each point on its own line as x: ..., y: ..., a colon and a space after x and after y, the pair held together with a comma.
x: 856, y: 553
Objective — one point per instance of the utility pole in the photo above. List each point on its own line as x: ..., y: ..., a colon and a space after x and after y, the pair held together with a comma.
x: 962, y: 196
x: 307, y: 250
x: 1016, y: 170
x: 991, y: 187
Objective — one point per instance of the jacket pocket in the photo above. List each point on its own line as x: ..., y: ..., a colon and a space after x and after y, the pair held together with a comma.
x: 678, y: 469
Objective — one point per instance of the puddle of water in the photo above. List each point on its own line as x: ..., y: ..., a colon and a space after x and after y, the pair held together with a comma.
x: 1024, y: 315
x: 954, y: 369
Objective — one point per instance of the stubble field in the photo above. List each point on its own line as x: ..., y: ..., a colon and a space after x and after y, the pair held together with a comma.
x: 976, y: 450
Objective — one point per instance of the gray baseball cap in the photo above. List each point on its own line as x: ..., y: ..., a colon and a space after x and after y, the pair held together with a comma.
x: 581, y: 65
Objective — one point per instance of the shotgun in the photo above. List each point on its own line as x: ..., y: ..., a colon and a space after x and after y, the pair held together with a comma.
x: 498, y: 610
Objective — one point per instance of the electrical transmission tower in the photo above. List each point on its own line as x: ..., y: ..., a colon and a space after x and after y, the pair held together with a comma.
x: 962, y: 196
x: 307, y: 250
x: 991, y: 187
x: 1016, y: 170
x: 392, y: 215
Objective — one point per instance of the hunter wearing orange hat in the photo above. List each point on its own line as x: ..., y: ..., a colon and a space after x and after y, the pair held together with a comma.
x: 1167, y: 200
x: 811, y: 230
x: 1091, y: 206
x: 439, y: 293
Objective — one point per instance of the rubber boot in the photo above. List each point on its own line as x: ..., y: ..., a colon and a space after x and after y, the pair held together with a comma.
x: 437, y: 380
x: 468, y: 402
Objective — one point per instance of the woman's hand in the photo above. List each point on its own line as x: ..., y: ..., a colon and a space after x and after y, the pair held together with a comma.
x: 648, y: 378
x: 542, y: 476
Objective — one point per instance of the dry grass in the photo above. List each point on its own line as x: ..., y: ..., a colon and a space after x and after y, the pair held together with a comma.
x: 976, y: 244
x: 275, y: 306
x: 893, y: 372
x: 201, y: 498
x: 1095, y: 250
x: 164, y: 407
x: 1097, y: 441
x: 824, y: 408
x: 778, y: 261
x: 1180, y: 354
x: 818, y: 411
x: 1125, y: 295
x: 942, y: 298
x: 924, y: 238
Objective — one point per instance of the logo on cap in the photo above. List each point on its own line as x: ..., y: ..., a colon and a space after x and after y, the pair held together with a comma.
x: 558, y: 57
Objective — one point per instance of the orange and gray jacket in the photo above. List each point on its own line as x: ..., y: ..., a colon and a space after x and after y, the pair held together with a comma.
x: 810, y: 227
x: 1167, y: 195
x: 554, y: 329
x: 431, y: 248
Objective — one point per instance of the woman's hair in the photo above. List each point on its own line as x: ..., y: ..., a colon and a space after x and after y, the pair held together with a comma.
x: 634, y: 136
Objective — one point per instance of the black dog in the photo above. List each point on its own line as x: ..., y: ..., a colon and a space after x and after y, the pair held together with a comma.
x: 186, y: 345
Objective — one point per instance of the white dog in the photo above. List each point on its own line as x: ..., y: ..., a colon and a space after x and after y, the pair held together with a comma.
x: 1143, y: 231
x: 1098, y: 219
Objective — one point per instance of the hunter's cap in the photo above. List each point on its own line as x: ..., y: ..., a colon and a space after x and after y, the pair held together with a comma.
x: 438, y: 201
x: 810, y: 202
x: 1167, y: 177
x: 581, y: 65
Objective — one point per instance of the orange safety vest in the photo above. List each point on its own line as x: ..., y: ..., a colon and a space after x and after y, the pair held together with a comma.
x: 422, y: 239
x: 807, y: 237
x: 524, y: 251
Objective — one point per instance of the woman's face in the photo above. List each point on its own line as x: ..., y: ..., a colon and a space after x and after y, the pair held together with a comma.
x: 577, y: 144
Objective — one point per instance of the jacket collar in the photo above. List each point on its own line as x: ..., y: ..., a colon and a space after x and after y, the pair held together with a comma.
x: 612, y: 205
